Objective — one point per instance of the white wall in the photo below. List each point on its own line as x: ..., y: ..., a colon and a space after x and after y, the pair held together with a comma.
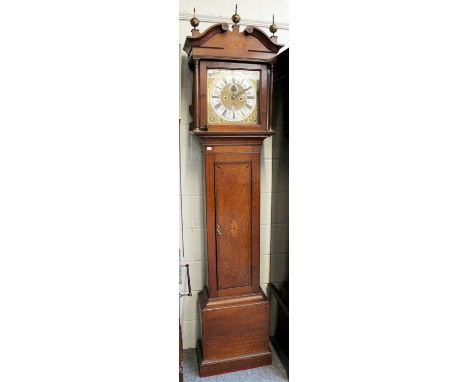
x: 192, y: 183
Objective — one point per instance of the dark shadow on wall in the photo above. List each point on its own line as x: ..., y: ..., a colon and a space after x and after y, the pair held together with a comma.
x: 279, y: 259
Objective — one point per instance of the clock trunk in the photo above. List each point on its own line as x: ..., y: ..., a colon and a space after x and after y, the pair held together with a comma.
x: 234, y: 312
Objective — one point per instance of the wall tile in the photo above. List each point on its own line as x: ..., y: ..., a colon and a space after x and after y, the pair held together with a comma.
x: 186, y: 101
x: 195, y: 148
x: 184, y: 142
x: 279, y: 207
x: 185, y: 29
x: 181, y: 244
x: 264, y: 269
x: 186, y: 6
x: 190, y: 147
x: 265, y: 207
x: 189, y: 307
x: 186, y: 73
x: 280, y: 8
x: 183, y: 288
x: 267, y: 148
x: 194, y: 244
x: 279, y: 238
x: 193, y: 213
x: 206, y: 283
x: 189, y: 334
x: 279, y: 268
x: 192, y: 178
x: 265, y: 230
x: 265, y: 175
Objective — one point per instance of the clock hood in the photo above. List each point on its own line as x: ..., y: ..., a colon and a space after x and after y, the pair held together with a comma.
x: 219, y: 43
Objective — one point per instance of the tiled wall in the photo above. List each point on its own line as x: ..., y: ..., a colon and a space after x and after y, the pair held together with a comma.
x: 191, y: 165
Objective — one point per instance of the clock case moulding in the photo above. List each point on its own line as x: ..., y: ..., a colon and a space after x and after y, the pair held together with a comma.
x: 233, y: 310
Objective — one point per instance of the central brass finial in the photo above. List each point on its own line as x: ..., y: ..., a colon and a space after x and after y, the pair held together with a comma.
x: 235, y: 17
x: 194, y: 21
x: 273, y: 27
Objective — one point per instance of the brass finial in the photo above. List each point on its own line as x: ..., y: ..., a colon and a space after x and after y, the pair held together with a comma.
x: 273, y: 27
x: 194, y: 21
x: 235, y: 17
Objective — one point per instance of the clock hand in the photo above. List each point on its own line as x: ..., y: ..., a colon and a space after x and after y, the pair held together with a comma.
x: 235, y: 94
x: 239, y: 93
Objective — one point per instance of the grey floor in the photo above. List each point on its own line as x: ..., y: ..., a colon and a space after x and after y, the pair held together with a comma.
x: 273, y: 373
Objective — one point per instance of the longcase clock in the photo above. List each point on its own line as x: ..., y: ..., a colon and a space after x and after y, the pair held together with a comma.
x: 231, y: 110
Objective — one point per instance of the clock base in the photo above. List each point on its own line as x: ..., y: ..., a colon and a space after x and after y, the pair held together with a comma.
x: 229, y: 365
x: 234, y: 333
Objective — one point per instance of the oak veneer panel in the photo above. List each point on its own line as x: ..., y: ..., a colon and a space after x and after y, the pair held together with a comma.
x: 248, y: 335
x: 233, y: 189
x: 239, y: 186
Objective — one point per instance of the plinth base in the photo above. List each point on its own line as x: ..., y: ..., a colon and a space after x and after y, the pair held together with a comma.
x: 229, y: 365
x: 234, y: 333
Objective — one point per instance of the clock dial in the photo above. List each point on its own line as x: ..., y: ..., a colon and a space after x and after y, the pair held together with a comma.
x: 232, y: 96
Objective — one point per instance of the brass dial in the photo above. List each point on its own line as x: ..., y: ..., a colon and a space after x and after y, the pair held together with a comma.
x: 232, y: 96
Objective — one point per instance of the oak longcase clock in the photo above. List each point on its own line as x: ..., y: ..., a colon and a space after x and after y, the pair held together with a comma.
x: 231, y: 110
